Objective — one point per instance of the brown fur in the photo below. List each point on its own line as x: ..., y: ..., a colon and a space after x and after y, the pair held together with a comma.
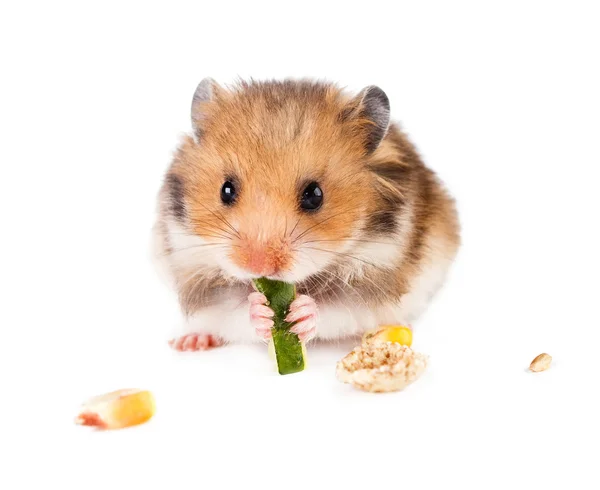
x: 273, y: 138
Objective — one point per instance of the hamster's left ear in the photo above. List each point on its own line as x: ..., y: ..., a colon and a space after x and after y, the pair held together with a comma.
x: 373, y: 106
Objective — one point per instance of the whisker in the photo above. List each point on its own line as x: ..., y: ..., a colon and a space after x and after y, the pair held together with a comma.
x: 349, y: 240
x: 294, y: 229
x: 331, y: 288
x: 320, y: 284
x: 223, y: 237
x: 316, y: 276
x: 314, y: 226
x: 200, y: 225
x: 192, y: 235
x: 227, y: 234
x: 375, y: 285
x: 223, y: 220
x: 190, y: 278
x: 201, y: 246
x: 357, y: 294
x: 342, y: 255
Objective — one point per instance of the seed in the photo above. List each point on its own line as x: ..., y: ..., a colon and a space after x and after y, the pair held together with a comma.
x: 540, y: 363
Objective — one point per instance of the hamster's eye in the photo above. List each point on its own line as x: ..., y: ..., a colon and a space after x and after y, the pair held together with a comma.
x: 312, y: 197
x: 228, y: 193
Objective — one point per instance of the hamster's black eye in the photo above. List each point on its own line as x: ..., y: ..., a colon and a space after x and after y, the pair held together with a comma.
x: 312, y: 197
x: 228, y: 193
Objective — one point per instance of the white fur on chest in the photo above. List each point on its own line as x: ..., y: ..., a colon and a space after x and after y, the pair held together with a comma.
x: 229, y: 318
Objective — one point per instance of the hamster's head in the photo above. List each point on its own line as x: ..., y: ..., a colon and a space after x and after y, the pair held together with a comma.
x: 283, y: 180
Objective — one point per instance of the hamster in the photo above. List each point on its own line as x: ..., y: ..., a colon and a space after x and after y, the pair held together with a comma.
x: 299, y: 181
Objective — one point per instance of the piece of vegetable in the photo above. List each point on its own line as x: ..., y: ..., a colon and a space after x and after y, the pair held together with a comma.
x: 117, y: 409
x: 273, y: 356
x: 390, y: 333
x: 289, y: 350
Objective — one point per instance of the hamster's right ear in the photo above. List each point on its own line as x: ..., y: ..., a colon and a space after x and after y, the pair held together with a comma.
x: 206, y: 91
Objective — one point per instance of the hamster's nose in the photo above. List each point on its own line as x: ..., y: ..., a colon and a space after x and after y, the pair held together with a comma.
x: 262, y: 259
x: 258, y: 263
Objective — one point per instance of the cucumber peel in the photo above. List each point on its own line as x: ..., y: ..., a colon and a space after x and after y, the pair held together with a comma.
x: 289, y: 351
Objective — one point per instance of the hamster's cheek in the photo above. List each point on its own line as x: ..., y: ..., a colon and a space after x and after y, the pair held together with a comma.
x: 306, y: 263
x: 381, y: 252
x: 223, y: 261
x: 188, y: 249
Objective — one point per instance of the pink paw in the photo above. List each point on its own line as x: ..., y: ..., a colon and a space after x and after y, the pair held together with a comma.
x: 195, y: 342
x: 303, y: 312
x: 260, y: 315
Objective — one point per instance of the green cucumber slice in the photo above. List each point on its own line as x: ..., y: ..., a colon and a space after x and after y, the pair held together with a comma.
x: 289, y: 351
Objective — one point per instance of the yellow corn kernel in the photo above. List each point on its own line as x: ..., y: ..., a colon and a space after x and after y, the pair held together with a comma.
x: 390, y: 333
x: 117, y: 409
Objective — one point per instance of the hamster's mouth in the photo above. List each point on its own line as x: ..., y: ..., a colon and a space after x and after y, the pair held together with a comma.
x: 248, y: 277
x: 276, y: 277
x: 293, y: 273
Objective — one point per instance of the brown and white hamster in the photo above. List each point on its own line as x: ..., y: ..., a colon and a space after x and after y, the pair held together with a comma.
x: 302, y: 182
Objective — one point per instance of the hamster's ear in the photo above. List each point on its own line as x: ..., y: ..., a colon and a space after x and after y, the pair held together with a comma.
x: 373, y: 105
x: 205, y: 92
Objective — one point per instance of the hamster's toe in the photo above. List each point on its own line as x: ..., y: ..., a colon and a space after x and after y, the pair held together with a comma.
x: 195, y: 342
x: 260, y: 315
x: 304, y: 313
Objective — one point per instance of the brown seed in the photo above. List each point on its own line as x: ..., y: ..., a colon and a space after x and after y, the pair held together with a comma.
x: 540, y: 363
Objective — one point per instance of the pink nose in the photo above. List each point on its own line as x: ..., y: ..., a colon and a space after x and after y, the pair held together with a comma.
x: 260, y: 258
x: 259, y: 263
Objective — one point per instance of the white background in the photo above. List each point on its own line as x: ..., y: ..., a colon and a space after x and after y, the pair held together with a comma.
x: 501, y: 98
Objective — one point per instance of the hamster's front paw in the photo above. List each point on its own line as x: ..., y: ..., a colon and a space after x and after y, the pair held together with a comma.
x: 195, y: 342
x: 261, y: 316
x: 303, y: 312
